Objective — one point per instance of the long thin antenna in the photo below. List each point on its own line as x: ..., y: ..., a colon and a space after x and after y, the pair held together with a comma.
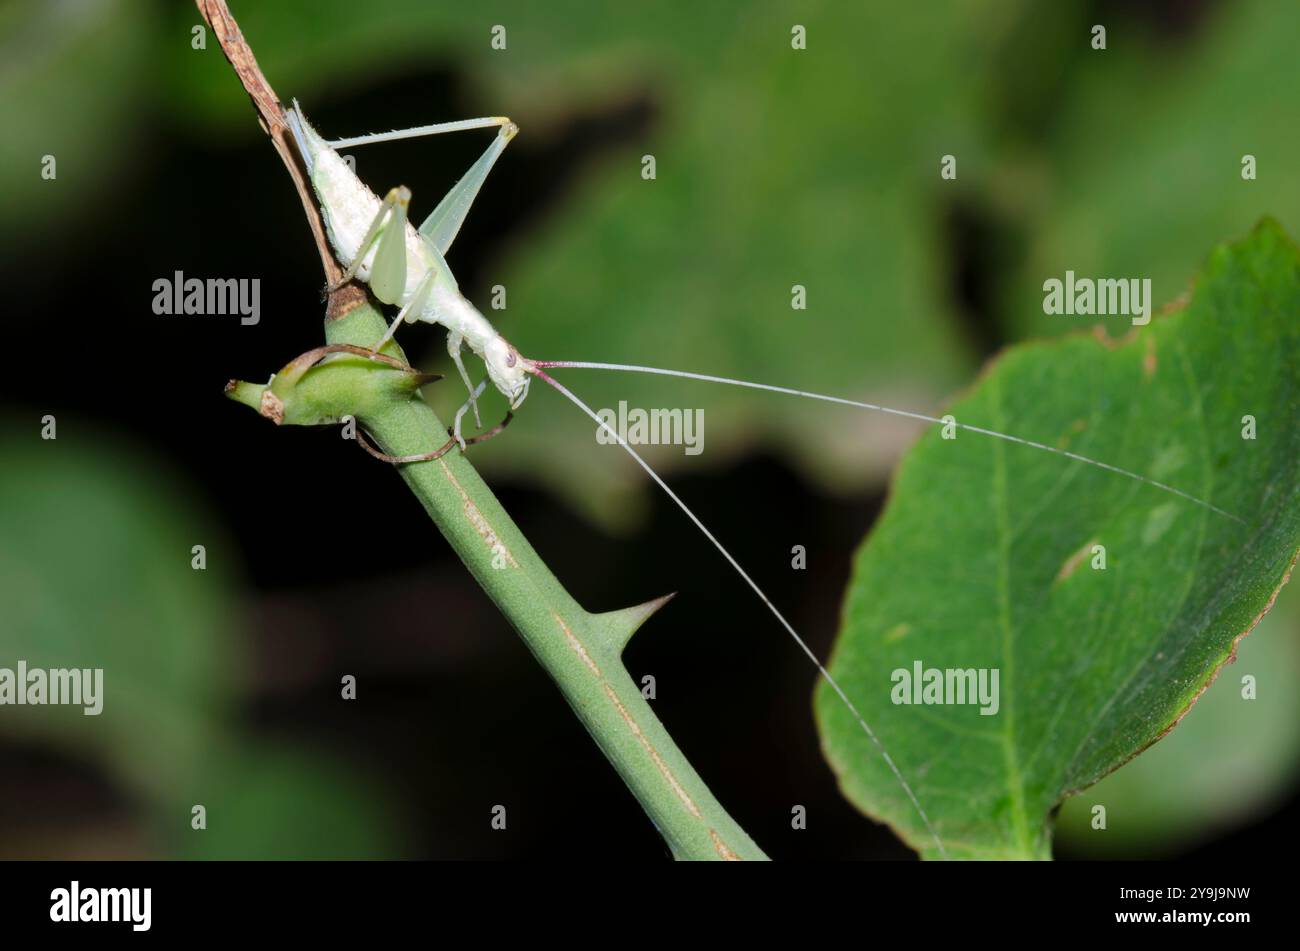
x: 628, y: 368
x: 821, y: 669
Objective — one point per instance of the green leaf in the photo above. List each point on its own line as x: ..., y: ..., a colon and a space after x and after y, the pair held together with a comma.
x: 1234, y: 758
x: 983, y: 559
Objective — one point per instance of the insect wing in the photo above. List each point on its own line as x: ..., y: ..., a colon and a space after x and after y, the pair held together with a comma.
x: 443, y: 223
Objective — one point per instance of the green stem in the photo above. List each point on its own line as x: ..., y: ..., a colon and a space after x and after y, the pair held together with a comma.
x: 581, y: 651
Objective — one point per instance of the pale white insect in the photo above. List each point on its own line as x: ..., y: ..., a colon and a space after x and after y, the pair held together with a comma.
x: 411, y: 272
x: 406, y: 267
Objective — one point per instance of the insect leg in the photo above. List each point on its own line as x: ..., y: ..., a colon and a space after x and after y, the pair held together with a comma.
x: 444, y: 222
x: 414, y: 306
x: 364, y: 443
x: 454, y: 341
x: 460, y: 413
x: 442, y: 450
x: 493, y: 432
x: 437, y: 128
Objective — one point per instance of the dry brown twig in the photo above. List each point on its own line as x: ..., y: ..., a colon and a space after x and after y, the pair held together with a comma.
x: 271, y: 118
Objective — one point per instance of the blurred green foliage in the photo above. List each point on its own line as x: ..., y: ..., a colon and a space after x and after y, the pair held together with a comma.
x: 96, y: 540
x: 1138, y: 169
x: 95, y: 548
x: 73, y: 75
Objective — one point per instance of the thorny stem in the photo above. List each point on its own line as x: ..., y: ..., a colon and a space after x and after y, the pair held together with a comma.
x: 581, y: 651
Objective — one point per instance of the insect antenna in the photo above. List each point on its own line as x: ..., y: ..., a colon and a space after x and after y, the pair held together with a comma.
x: 658, y: 371
x: 536, y: 369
